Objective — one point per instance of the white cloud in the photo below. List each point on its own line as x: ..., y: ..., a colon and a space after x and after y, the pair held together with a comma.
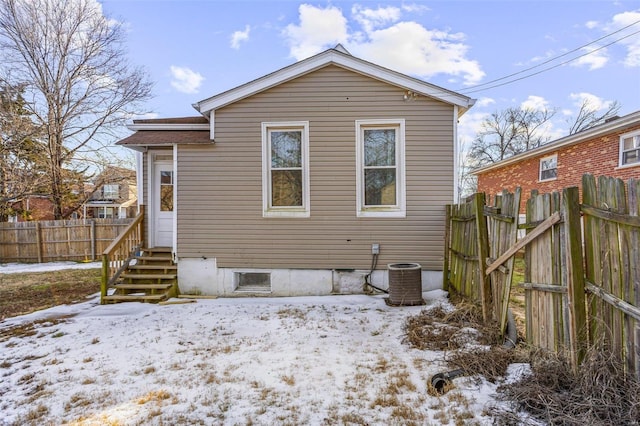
x: 535, y: 103
x: 470, y: 125
x: 631, y: 43
x: 593, y: 59
x: 385, y: 39
x: 415, y: 8
x: 592, y: 24
x: 318, y: 29
x: 185, y: 80
x: 593, y: 101
x: 485, y: 102
x: 239, y: 37
x: 410, y: 48
x: 375, y: 18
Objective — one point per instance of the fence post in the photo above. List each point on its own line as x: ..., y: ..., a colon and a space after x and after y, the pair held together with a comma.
x: 39, y: 242
x: 447, y: 245
x: 92, y: 232
x: 575, y: 275
x: 483, y: 254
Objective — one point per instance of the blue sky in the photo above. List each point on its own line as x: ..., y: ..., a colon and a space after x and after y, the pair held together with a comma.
x: 196, y: 49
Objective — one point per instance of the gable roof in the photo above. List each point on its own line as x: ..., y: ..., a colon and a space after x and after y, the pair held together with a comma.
x: 201, y: 129
x: 614, y: 125
x: 336, y: 56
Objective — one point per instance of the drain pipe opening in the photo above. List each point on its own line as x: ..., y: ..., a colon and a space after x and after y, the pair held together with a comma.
x: 442, y: 382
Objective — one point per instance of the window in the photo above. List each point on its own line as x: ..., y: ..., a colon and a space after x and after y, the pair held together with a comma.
x: 630, y: 149
x: 380, y: 168
x: 166, y: 191
x: 549, y: 168
x: 285, y: 170
x: 105, y: 212
x: 110, y: 191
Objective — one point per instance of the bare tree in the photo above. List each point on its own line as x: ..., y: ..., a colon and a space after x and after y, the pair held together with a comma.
x: 589, y: 115
x: 508, y: 133
x: 80, y: 86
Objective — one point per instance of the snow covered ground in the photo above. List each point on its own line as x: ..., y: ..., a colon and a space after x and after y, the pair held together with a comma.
x: 262, y: 361
x: 16, y: 268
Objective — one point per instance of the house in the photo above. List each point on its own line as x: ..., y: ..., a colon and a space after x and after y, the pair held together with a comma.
x: 32, y: 207
x: 115, y: 194
x: 609, y: 149
x: 290, y: 184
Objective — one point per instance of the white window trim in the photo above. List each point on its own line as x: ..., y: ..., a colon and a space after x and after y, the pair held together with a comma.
x: 540, y: 168
x: 621, y: 150
x: 400, y: 209
x: 287, y: 212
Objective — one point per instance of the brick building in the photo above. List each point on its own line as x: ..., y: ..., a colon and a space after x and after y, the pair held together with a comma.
x: 610, y: 149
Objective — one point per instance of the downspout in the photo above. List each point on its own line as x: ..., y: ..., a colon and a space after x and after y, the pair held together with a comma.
x: 456, y: 156
x: 174, y: 242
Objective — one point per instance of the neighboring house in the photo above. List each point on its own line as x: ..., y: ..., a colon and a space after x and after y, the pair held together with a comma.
x: 283, y: 185
x: 32, y: 207
x: 115, y: 196
x: 610, y: 149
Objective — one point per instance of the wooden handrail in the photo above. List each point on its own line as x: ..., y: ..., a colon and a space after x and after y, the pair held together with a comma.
x: 127, y: 231
x: 116, y: 257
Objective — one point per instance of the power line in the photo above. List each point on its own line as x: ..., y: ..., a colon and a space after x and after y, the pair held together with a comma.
x: 470, y: 89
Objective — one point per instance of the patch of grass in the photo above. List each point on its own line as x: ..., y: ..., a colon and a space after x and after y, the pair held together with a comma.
x: 29, y: 292
x: 292, y: 313
x: 78, y: 400
x: 37, y: 413
x: 26, y: 379
x: 156, y: 396
x: 288, y: 379
x: 438, y: 329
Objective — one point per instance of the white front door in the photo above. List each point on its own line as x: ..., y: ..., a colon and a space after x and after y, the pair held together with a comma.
x: 163, y: 204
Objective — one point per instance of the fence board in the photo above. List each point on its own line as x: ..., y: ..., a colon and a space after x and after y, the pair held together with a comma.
x: 464, y: 251
x: 503, y: 229
x: 545, y: 310
x: 612, y: 258
x: 634, y: 275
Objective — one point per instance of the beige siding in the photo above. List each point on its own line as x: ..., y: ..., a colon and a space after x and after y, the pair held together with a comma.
x: 220, y: 192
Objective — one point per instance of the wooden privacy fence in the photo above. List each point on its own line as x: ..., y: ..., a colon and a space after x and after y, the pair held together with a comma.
x: 475, y: 231
x: 582, y: 265
x: 57, y: 240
